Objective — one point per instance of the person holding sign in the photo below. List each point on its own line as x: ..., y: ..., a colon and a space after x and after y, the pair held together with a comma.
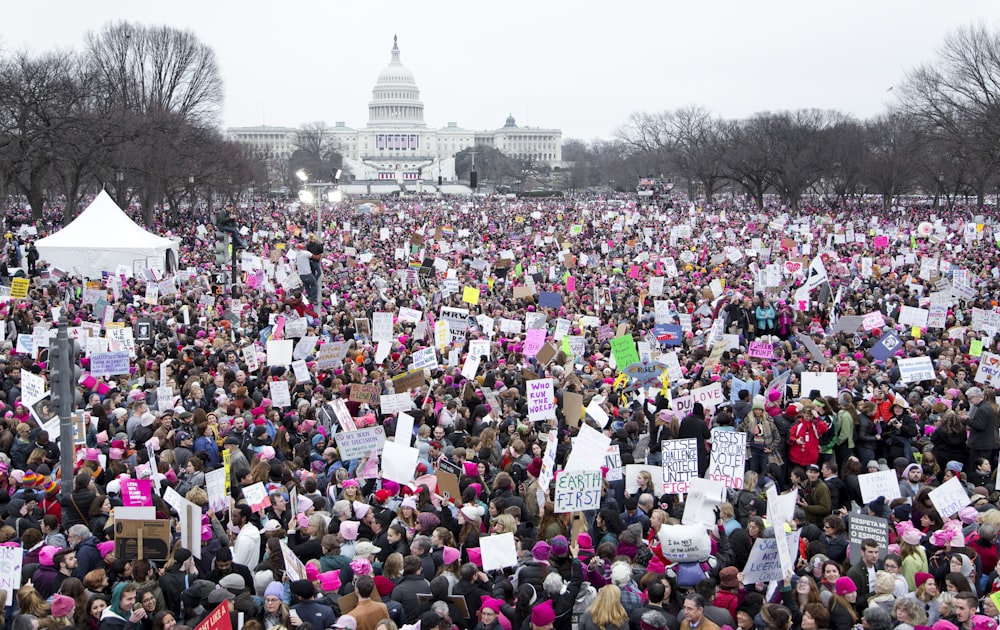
x: 982, y: 422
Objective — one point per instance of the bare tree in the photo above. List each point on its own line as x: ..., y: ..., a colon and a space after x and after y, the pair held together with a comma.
x: 958, y: 95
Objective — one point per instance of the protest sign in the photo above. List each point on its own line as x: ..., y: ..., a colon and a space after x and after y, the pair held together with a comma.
x: 109, y: 363
x: 367, y: 393
x: 404, y: 429
x: 825, y: 382
x: 862, y: 526
x: 704, y: 495
x: 256, y: 497
x: 709, y: 396
x: 916, y: 369
x: 680, y: 464
x: 684, y: 543
x: 355, y: 444
x: 279, y: 352
x: 573, y: 408
x: 949, y: 497
x: 392, y: 403
x: 137, y: 492
x: 548, y: 462
x: 344, y: 418
x: 879, y: 484
x: 886, y: 346
x: 294, y: 568
x: 595, y: 411
x: 11, y: 562
x: 33, y: 388
x: 218, y: 619
x: 764, y: 565
x: 578, y: 490
x: 624, y: 351
x: 761, y: 350
x: 499, y: 551
x: 215, y: 484
x: 398, y: 462
x: 728, y: 460
x: 589, y: 446
x: 613, y: 462
x: 280, y: 396
x: 147, y: 539
x: 873, y: 320
x: 541, y: 399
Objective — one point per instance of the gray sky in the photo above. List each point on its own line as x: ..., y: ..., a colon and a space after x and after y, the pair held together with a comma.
x: 582, y: 66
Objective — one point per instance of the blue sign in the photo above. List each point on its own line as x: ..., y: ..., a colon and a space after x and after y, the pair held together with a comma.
x: 668, y: 334
x: 886, y: 346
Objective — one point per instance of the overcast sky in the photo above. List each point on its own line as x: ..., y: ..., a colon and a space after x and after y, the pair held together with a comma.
x: 582, y: 66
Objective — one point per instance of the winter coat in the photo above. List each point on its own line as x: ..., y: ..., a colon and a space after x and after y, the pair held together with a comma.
x: 803, y: 441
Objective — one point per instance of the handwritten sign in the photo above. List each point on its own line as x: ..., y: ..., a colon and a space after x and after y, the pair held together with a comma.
x: 763, y: 565
x: 761, y: 350
x: 541, y: 400
x: 709, y: 396
x: 949, y: 497
x: 729, y: 451
x: 879, y: 484
x: 680, y: 464
x: 577, y: 491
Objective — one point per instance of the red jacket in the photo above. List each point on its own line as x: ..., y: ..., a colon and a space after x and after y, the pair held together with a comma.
x: 803, y: 441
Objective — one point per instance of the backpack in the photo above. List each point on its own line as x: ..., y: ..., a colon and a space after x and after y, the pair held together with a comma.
x: 688, y: 574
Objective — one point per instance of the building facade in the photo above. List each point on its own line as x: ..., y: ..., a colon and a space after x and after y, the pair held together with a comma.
x: 397, y: 145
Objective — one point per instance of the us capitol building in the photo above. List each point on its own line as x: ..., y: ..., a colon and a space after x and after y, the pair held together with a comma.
x: 396, y: 143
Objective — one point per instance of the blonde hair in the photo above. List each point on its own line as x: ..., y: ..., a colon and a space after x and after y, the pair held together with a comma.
x: 607, y: 609
x: 508, y: 523
x: 885, y: 582
x: 726, y: 510
x: 990, y: 516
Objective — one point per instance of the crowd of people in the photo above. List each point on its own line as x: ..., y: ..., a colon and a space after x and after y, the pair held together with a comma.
x: 338, y: 545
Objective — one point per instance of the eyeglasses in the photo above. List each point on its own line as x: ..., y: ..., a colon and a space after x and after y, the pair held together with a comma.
x: 489, y: 613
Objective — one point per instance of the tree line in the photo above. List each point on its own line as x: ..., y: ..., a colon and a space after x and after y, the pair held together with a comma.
x: 940, y: 137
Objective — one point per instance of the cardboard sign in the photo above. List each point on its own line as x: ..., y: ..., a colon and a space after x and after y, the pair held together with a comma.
x: 365, y: 393
x: 862, y: 526
x: 879, y: 484
x: 680, y: 464
x: 149, y: 540
x: 406, y: 382
x: 578, y: 491
x: 728, y: 460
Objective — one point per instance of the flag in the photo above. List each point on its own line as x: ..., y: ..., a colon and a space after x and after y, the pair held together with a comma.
x: 816, y: 276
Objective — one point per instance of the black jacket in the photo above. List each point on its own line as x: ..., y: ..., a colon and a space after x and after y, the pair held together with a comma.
x: 406, y: 594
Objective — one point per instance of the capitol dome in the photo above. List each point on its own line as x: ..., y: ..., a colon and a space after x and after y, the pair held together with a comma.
x: 395, y: 97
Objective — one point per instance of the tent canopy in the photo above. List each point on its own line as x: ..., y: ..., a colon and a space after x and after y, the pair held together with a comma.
x: 102, y: 238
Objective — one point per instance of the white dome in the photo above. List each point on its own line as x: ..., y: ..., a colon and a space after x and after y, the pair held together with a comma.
x: 395, y: 97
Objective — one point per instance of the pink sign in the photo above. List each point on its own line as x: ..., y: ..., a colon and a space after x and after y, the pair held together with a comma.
x: 881, y: 241
x: 137, y: 492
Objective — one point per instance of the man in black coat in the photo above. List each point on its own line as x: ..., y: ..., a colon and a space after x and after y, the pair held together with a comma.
x: 694, y: 426
x: 982, y: 423
x: 410, y: 585
x: 655, y: 592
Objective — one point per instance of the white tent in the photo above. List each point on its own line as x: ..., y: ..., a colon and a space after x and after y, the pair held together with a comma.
x: 101, y: 239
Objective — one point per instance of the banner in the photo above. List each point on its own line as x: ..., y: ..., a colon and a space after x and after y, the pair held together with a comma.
x: 709, y: 396
x: 109, y: 363
x: 680, y: 464
x: 137, y: 492
x: 578, y: 491
x: 728, y: 460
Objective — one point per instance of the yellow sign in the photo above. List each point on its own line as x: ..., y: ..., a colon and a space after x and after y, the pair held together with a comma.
x: 915, y: 332
x: 111, y: 325
x: 470, y: 295
x: 225, y: 463
x: 518, y: 219
x: 19, y: 288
